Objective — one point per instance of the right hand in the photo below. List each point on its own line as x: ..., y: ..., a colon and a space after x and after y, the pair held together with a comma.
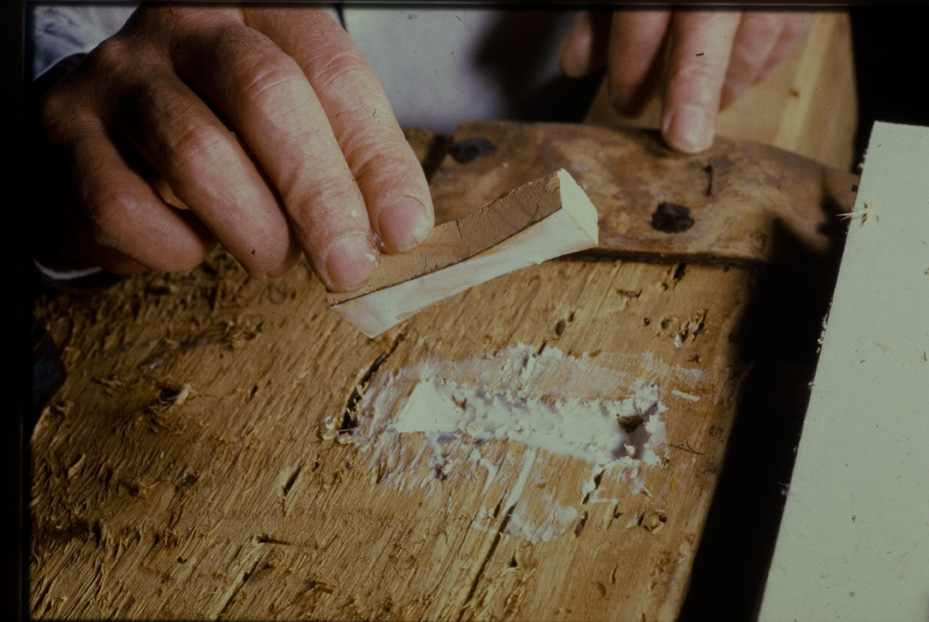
x: 265, y: 130
x: 712, y: 58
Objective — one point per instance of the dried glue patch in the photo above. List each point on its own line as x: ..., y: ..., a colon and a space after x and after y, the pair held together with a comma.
x: 595, y: 431
x: 546, y: 402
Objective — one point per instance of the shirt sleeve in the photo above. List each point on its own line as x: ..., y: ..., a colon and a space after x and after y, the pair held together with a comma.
x: 59, y: 31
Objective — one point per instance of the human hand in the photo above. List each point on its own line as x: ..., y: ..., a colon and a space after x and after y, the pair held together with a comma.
x: 710, y: 58
x: 266, y: 131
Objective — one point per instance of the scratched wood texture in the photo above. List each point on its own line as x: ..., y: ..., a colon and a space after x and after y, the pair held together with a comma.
x: 185, y: 470
x: 228, y: 505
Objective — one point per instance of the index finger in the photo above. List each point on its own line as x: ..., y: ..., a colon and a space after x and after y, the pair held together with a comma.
x: 699, y: 51
x: 387, y: 171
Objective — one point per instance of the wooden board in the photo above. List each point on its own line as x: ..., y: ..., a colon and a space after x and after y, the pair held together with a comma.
x: 201, y: 460
x: 853, y: 542
x: 743, y: 200
x: 230, y: 506
x: 808, y: 106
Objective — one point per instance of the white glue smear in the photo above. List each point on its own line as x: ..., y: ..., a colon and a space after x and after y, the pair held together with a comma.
x: 585, y: 429
x: 550, y: 401
x: 545, y: 400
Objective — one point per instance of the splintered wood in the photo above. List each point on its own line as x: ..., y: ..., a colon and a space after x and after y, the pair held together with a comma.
x: 224, y: 448
x: 538, y: 221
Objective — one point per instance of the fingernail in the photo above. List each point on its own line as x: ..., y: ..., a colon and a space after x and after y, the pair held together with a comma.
x: 278, y: 270
x: 350, y: 261
x: 403, y: 225
x: 292, y: 256
x: 688, y: 129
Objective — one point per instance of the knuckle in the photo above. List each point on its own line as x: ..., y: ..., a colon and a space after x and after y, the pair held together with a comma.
x: 111, y: 56
x: 107, y: 213
x: 319, y: 203
x: 329, y: 194
x: 384, y: 169
x: 344, y: 68
x: 272, y: 81
x: 250, y: 58
x: 264, y: 78
x: 367, y: 146
x: 63, y: 112
x: 697, y: 80
x: 113, y: 64
x: 694, y: 70
x: 696, y: 86
x: 192, y: 145
x: 185, y: 140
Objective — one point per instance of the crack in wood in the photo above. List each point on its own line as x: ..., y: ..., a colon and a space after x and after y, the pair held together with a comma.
x: 291, y: 480
x: 350, y: 413
x: 708, y: 169
x: 581, y: 522
x: 235, y: 591
x: 597, y: 479
x: 490, y: 553
x: 686, y: 447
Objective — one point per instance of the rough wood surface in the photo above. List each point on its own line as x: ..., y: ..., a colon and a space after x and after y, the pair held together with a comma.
x: 809, y: 106
x: 535, y: 222
x: 201, y: 461
x: 226, y: 504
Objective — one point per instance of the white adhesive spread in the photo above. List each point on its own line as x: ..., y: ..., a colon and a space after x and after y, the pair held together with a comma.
x: 588, y: 430
x: 546, y: 401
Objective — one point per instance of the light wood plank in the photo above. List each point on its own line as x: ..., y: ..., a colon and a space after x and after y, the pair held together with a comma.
x: 853, y: 542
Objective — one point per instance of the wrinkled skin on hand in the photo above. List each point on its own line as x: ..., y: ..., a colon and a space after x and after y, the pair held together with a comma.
x: 700, y: 60
x: 263, y: 129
